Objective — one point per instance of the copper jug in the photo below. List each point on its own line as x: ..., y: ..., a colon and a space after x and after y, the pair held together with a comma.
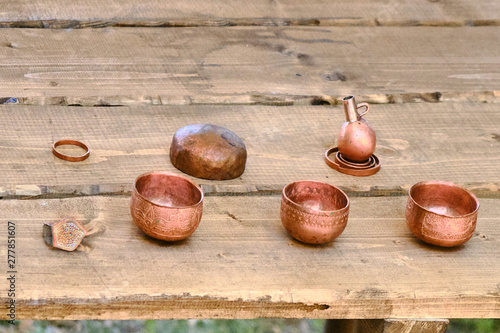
x: 356, y: 140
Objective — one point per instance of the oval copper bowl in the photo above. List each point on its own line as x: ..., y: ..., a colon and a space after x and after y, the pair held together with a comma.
x: 314, y: 212
x: 166, y: 206
x: 441, y: 213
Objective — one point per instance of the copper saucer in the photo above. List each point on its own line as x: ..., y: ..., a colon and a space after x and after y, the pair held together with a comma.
x: 342, y: 161
x: 367, y: 168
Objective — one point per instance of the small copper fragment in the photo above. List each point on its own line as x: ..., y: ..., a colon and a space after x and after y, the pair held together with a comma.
x: 80, y: 158
x: 314, y: 212
x: 166, y: 206
x: 208, y: 151
x: 66, y: 234
x: 441, y: 213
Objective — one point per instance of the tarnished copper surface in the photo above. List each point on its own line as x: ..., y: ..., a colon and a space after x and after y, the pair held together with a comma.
x: 356, y: 139
x: 82, y: 157
x: 66, y: 234
x: 368, y: 168
x: 166, y: 206
x: 314, y: 212
x: 208, y: 151
x: 441, y: 213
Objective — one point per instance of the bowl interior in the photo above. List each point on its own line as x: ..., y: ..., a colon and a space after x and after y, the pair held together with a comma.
x: 444, y: 199
x: 316, y: 196
x: 168, y: 190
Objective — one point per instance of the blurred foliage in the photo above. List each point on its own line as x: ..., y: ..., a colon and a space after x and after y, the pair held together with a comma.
x: 210, y: 325
x: 477, y: 325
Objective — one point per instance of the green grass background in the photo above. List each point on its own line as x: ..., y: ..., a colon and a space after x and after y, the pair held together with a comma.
x: 210, y: 325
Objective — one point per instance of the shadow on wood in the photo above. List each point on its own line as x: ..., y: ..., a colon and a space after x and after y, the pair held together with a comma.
x: 386, y: 325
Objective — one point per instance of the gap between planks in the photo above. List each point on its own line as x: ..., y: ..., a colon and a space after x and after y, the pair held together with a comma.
x: 270, y: 100
x: 35, y: 192
x: 74, y: 14
x: 193, y: 23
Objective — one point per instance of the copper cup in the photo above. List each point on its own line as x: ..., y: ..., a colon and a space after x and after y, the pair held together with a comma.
x: 314, y: 212
x: 441, y: 213
x: 166, y: 206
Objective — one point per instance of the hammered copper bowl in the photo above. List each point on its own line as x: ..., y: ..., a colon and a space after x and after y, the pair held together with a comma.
x: 314, y: 212
x: 441, y: 213
x: 166, y: 206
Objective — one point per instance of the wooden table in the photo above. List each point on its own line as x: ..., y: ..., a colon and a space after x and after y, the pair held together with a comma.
x: 124, y: 76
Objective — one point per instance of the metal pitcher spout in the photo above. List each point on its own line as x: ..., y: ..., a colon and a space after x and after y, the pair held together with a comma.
x: 351, y: 113
x: 351, y: 109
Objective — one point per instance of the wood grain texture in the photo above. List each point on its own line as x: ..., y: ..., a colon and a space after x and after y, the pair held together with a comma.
x: 248, y: 65
x: 84, y: 13
x: 386, y: 325
x: 415, y: 142
x: 240, y: 263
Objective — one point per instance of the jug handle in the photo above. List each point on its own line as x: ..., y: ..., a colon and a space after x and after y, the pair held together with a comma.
x: 360, y: 105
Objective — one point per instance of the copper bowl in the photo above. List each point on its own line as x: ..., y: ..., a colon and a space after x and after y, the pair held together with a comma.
x: 314, y: 212
x: 441, y: 213
x: 166, y: 206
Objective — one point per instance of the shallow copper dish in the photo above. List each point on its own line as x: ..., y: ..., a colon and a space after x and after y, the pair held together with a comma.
x: 441, y: 213
x: 314, y: 212
x: 370, y: 163
x: 342, y: 165
x: 166, y: 206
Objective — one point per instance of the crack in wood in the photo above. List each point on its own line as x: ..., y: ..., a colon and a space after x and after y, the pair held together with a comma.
x: 166, y: 303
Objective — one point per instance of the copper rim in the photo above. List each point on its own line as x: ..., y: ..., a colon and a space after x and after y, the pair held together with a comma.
x: 343, y: 162
x: 347, y: 162
x: 171, y: 174
x: 450, y: 184
x: 72, y: 143
x: 353, y: 171
x: 315, y: 211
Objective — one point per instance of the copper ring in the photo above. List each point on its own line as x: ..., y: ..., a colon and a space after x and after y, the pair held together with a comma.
x: 67, y: 157
x: 343, y: 162
x: 360, y: 172
x: 328, y: 161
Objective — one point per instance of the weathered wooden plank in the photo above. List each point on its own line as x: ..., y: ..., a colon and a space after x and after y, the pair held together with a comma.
x: 224, y: 12
x: 240, y: 263
x: 248, y: 65
x: 453, y: 142
x: 386, y: 325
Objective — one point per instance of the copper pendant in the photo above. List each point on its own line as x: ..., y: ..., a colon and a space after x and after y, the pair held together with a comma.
x: 66, y: 234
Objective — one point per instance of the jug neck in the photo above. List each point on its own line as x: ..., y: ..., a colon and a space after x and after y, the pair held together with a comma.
x: 350, y: 109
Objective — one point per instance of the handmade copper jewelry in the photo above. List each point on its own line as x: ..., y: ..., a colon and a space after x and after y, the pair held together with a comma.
x: 67, y: 157
x: 66, y: 234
